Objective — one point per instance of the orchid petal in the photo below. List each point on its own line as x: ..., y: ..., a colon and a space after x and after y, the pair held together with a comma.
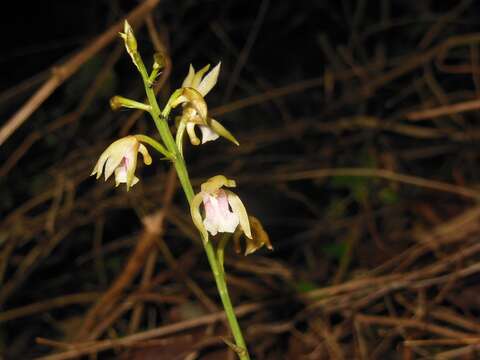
x: 112, y: 162
x: 198, y: 76
x: 121, y: 177
x: 98, y: 169
x: 218, y: 216
x: 147, y: 159
x: 131, y: 164
x: 209, y: 81
x: 187, y: 82
x: 259, y: 237
x: 191, y: 134
x: 208, y: 134
x: 239, y: 209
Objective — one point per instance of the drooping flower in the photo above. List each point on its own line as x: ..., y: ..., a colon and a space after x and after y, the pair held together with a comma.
x: 224, y: 211
x: 121, y: 158
x: 195, y: 87
x: 259, y: 238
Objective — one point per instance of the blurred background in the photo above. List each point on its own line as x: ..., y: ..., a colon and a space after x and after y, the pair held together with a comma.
x: 359, y: 150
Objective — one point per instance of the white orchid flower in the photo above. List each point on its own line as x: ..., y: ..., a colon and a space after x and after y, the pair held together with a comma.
x: 121, y: 158
x: 195, y: 87
x: 224, y: 211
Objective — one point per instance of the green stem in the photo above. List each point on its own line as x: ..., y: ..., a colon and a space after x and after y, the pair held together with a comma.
x: 160, y: 119
x: 155, y: 144
x: 221, y: 248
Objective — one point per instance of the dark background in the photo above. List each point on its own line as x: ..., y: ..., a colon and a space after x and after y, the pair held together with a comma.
x: 326, y: 228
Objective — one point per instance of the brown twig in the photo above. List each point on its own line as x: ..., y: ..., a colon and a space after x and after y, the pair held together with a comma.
x: 47, y: 305
x: 61, y: 73
x: 66, y: 119
x: 444, y: 110
x: 153, y: 227
x: 95, y: 347
x: 411, y: 323
x: 365, y: 172
x: 242, y: 58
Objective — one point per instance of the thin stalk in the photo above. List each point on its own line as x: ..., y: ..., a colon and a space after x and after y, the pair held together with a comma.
x: 221, y: 248
x: 155, y: 144
x: 160, y: 119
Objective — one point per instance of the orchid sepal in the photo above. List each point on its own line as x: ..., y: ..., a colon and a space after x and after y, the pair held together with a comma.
x: 203, y: 86
x: 259, y: 238
x: 222, y: 131
x: 197, y: 216
x: 238, y: 208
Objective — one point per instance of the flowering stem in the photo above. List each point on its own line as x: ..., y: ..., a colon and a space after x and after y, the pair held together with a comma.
x: 159, y: 117
x: 155, y: 144
x: 221, y: 248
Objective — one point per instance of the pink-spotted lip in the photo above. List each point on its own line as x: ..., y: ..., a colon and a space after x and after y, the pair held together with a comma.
x: 218, y: 215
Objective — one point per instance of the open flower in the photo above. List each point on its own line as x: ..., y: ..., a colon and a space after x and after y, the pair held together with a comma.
x: 224, y: 211
x: 195, y: 87
x: 121, y: 158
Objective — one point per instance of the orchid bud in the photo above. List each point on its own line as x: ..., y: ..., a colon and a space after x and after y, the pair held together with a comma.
x: 118, y: 102
x: 129, y: 38
x: 130, y: 43
x: 158, y: 61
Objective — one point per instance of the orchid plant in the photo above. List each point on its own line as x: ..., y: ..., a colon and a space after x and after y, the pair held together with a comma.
x: 214, y: 209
